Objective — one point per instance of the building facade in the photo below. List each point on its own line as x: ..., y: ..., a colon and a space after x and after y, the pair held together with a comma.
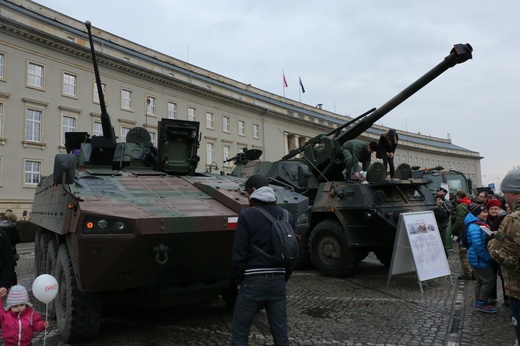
x: 47, y: 88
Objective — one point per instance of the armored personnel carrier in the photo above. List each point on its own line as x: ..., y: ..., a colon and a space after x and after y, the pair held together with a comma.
x: 128, y: 223
x: 350, y: 219
x: 455, y: 180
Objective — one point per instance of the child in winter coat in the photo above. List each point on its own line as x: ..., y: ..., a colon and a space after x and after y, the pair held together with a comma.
x: 19, y: 320
x: 479, y: 257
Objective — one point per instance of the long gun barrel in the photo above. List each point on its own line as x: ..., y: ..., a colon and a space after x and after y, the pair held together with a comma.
x: 459, y: 54
x: 322, y: 152
x: 106, y: 125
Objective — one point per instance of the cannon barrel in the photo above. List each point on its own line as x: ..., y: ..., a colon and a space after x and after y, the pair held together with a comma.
x: 106, y: 125
x: 323, y: 152
x: 459, y: 54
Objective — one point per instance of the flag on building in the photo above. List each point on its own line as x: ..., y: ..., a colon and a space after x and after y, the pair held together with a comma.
x: 284, y: 80
x: 301, y: 85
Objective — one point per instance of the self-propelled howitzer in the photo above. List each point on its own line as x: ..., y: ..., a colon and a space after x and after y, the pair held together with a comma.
x: 129, y: 224
x: 348, y: 220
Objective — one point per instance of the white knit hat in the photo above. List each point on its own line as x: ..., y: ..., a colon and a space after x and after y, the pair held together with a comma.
x: 17, y: 295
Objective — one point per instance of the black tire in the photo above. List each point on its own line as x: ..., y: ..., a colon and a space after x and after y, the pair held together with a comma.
x: 41, y: 242
x: 50, y: 268
x: 329, y: 251
x: 77, y: 313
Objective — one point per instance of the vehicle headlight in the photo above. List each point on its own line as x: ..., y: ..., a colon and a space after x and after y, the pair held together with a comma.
x: 97, y: 225
x: 302, y: 218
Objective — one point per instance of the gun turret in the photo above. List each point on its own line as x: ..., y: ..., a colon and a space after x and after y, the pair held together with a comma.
x: 322, y: 159
x: 321, y: 152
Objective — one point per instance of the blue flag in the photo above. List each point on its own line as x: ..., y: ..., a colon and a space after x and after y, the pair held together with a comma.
x: 301, y: 85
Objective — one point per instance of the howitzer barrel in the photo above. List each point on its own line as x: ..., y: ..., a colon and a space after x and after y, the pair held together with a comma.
x: 106, y: 125
x: 459, y: 54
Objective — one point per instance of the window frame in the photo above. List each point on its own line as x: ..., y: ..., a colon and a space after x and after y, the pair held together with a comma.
x: 241, y: 128
x: 32, y: 173
x: 151, y: 107
x: 74, y: 86
x: 29, y: 83
x: 74, y: 118
x: 125, y: 100
x: 28, y: 121
x: 172, y: 112
x: 226, y: 124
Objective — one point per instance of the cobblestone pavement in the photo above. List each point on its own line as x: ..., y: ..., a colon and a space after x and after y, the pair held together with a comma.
x: 359, y: 310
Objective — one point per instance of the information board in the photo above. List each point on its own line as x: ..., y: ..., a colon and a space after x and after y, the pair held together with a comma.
x: 418, y: 247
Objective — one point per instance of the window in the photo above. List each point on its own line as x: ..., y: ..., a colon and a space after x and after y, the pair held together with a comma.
x: 241, y: 127
x: 226, y: 154
x: 32, y: 171
x: 35, y: 75
x: 33, y: 125
x: 2, y: 65
x: 70, y: 84
x: 225, y: 124
x: 124, y: 132
x: 97, y: 129
x: 209, y: 120
x: 126, y: 99
x: 256, y: 131
x: 150, y: 105
x: 68, y: 124
x: 95, y: 94
x: 210, y: 147
x: 172, y: 110
x: 191, y: 114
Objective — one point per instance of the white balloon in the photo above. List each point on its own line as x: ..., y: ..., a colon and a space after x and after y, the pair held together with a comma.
x: 45, y: 288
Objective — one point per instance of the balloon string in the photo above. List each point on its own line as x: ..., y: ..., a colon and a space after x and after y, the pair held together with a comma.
x: 45, y: 330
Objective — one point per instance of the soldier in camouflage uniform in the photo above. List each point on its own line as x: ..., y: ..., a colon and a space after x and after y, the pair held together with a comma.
x: 505, y: 247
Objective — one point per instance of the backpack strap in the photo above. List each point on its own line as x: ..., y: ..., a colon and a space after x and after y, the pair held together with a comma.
x: 271, y: 217
x: 273, y: 220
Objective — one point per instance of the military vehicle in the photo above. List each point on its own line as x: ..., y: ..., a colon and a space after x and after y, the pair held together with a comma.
x: 128, y: 223
x: 349, y: 220
x: 455, y: 180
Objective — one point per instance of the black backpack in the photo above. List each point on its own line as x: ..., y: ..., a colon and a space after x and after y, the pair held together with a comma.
x: 464, y: 237
x: 283, y: 240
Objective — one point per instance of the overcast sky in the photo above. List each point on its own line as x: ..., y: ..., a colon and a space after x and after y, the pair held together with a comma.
x: 350, y: 55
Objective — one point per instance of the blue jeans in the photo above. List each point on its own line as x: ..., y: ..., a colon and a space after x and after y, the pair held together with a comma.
x: 257, y: 291
x: 515, y: 312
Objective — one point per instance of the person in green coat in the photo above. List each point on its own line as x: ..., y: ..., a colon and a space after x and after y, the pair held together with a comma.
x: 354, y: 152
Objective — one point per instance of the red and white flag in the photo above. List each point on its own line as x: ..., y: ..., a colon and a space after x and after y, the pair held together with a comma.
x: 285, y: 81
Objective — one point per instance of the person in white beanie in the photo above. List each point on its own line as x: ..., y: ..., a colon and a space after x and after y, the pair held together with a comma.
x: 19, y: 320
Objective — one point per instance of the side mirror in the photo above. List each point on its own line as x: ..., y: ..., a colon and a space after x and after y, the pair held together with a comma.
x: 64, y: 169
x: 303, y: 175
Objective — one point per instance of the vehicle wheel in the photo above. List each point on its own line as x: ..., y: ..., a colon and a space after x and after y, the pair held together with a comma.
x: 50, y: 268
x: 384, y: 256
x: 77, y: 313
x: 329, y: 251
x: 41, y: 242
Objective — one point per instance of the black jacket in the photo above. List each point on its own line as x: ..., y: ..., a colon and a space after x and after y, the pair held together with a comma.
x: 254, y: 228
x: 7, y: 262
